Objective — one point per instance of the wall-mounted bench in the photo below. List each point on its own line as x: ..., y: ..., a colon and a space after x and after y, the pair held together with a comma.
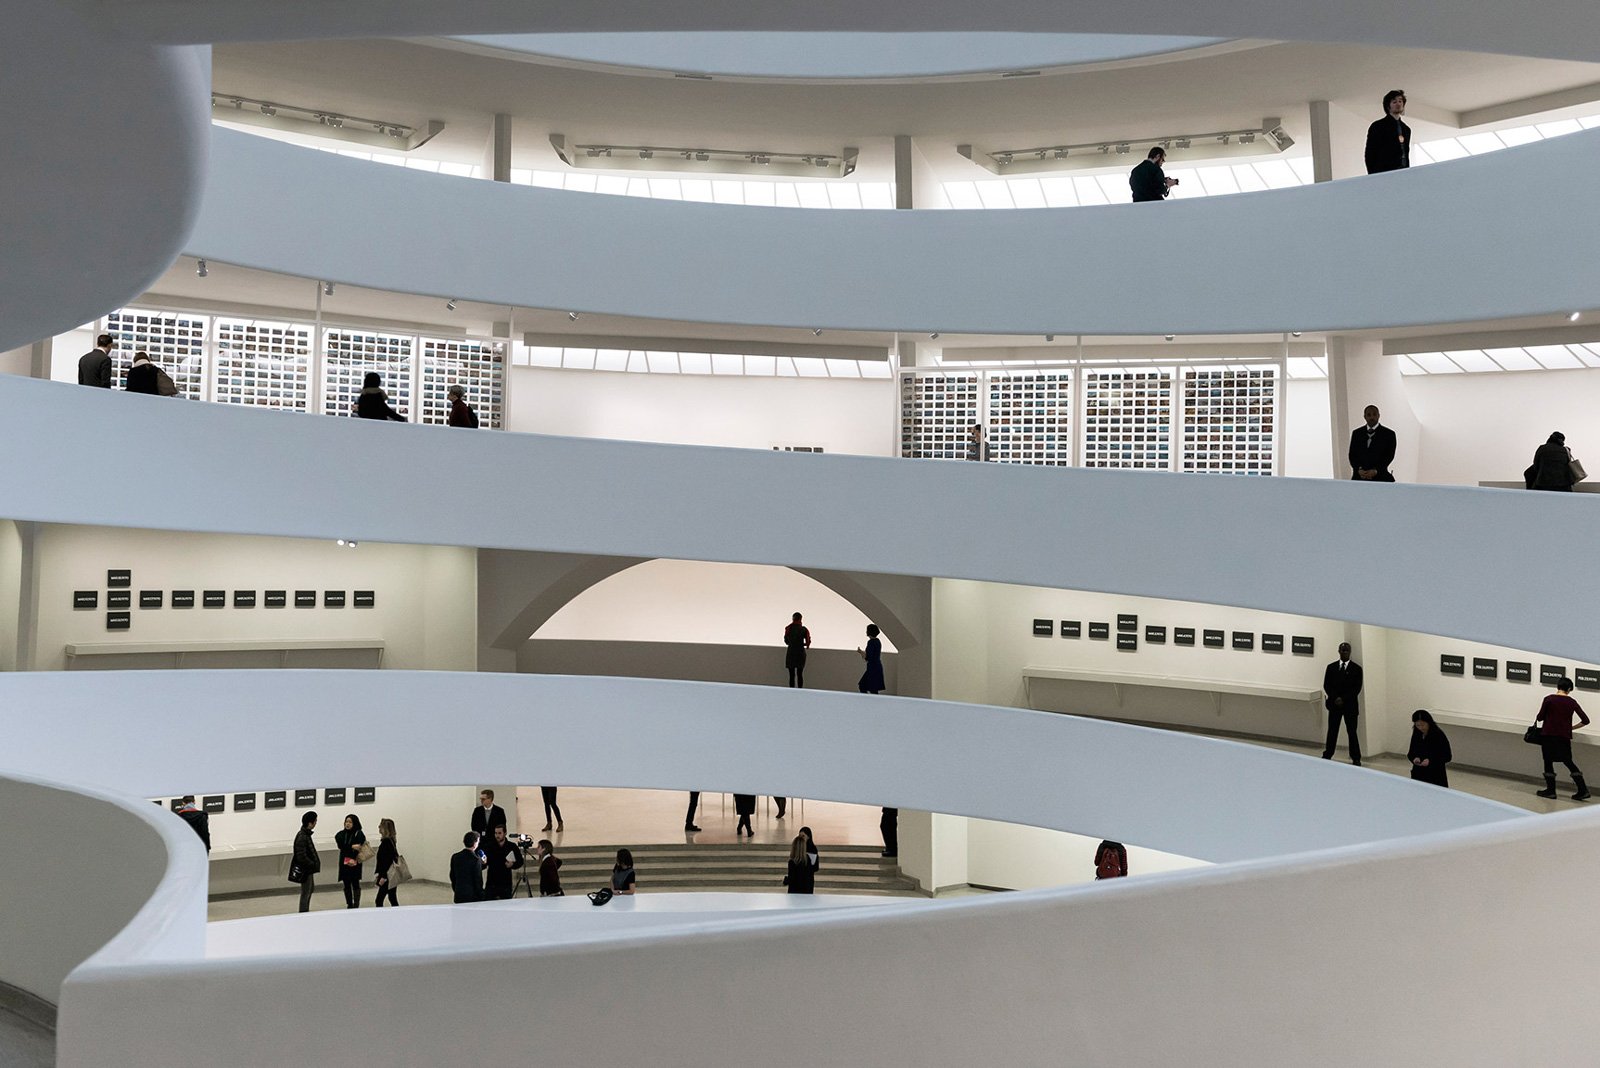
x: 172, y: 654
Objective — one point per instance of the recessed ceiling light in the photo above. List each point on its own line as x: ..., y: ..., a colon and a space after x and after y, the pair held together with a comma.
x: 934, y: 336
x: 1170, y: 336
x: 816, y: 332
x: 572, y: 316
x: 1574, y: 317
x: 1294, y: 333
x: 327, y: 289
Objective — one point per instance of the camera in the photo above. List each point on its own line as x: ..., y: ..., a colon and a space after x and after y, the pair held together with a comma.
x: 524, y: 842
x: 1175, y: 181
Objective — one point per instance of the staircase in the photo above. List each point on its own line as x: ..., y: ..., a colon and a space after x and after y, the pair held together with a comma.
x: 743, y: 868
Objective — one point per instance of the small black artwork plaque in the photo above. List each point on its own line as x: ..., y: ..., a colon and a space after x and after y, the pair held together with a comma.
x: 119, y: 577
x: 119, y: 621
x: 1127, y: 624
x: 1043, y: 628
x: 276, y: 799
x: 1519, y: 671
x: 1182, y: 635
x: 333, y: 795
x: 276, y: 598
x: 244, y: 802
x: 1450, y: 664
x: 183, y: 598
x: 366, y: 599
x: 119, y: 598
x: 1303, y: 646
x: 305, y: 598
x: 151, y: 598
x: 1099, y: 631
x: 214, y: 599
x: 213, y: 803
x: 1272, y: 643
x: 1586, y: 679
x: 1550, y: 674
x: 1484, y: 668
x: 244, y: 598
x: 1128, y: 642
x: 1071, y: 628
x: 366, y: 795
x: 86, y: 598
x: 1212, y: 639
x: 175, y: 804
x: 305, y: 798
x: 1244, y: 639
x: 333, y: 598
x: 1154, y: 635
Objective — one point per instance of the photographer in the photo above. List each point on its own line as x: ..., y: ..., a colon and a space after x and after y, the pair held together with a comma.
x: 1148, y: 181
x: 500, y: 858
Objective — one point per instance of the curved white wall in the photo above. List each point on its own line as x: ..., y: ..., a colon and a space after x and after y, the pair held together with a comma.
x: 1323, y: 257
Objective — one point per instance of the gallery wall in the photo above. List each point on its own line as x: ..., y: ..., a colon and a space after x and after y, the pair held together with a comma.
x: 10, y: 592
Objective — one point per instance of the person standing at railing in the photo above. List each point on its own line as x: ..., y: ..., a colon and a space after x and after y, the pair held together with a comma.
x: 1555, y: 738
x: 1389, y: 138
x: 197, y: 820
x: 1148, y: 181
x: 461, y: 415
x: 1552, y: 466
x: 796, y: 640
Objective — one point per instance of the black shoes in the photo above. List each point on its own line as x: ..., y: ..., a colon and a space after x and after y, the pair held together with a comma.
x: 689, y: 828
x: 1582, y: 793
x: 1549, y: 788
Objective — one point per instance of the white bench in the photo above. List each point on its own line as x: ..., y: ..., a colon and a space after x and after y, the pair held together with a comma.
x: 1216, y: 688
x: 177, y: 650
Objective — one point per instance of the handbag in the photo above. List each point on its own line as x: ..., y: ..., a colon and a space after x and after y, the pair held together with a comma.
x: 1578, y: 473
x: 297, y: 874
x: 364, y: 853
x: 399, y: 871
x: 600, y: 896
x: 1533, y: 735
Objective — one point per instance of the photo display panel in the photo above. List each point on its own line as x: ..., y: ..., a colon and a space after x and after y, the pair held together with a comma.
x: 1127, y: 418
x: 936, y: 415
x: 350, y: 354
x: 174, y: 340
x: 263, y: 364
x: 1230, y: 420
x: 479, y: 367
x: 1029, y: 417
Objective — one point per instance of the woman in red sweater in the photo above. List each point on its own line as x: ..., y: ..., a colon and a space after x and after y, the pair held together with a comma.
x: 1555, y: 738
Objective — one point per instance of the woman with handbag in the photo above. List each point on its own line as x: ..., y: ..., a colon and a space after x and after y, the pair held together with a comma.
x: 1552, y: 467
x: 1555, y: 738
x: 388, y: 853
x: 353, y: 849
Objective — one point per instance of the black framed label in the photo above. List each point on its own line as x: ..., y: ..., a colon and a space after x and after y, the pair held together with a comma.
x: 175, y: 804
x: 333, y: 598
x: 276, y: 598
x: 1071, y: 628
x: 1154, y: 635
x: 119, y: 598
x: 1212, y: 639
x: 276, y: 799
x: 1128, y: 642
x: 1127, y: 624
x: 366, y: 795
x: 119, y: 577
x: 119, y: 621
x: 1043, y: 628
x: 183, y: 598
x: 1182, y: 635
x: 244, y: 598
x: 1484, y: 668
x: 305, y: 598
x: 1586, y: 679
x: 366, y: 599
x: 1100, y: 631
x: 333, y: 795
x: 151, y: 598
x: 244, y: 802
x: 1450, y: 664
x: 1272, y: 643
x: 1244, y: 639
x: 1519, y: 671
x: 1550, y: 674
x: 305, y: 798
x: 85, y: 598
x: 214, y: 599
x: 1303, y: 646
x: 213, y: 803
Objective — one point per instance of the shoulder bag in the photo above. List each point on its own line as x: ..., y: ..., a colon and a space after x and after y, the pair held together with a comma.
x: 1575, y: 466
x: 399, y: 871
x: 1534, y: 735
x: 297, y: 874
x: 364, y: 853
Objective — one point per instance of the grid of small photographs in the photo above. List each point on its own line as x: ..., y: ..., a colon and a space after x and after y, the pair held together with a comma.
x: 1229, y: 419
x: 1030, y: 417
x: 1127, y: 418
x: 936, y: 415
x: 350, y: 354
x: 174, y: 340
x: 263, y: 364
x: 476, y: 366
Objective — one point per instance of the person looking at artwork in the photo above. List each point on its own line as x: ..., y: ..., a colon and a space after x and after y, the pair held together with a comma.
x: 1552, y: 466
x: 871, y: 680
x: 373, y: 402
x: 197, y: 820
x: 460, y: 414
x: 1372, y: 449
x: 1389, y: 138
x: 350, y: 840
x: 466, y: 871
x: 1429, y: 751
x: 142, y: 377
x: 1555, y: 738
x: 1148, y: 181
x: 977, y: 448
x: 94, y: 366
x: 796, y: 640
x: 388, y: 853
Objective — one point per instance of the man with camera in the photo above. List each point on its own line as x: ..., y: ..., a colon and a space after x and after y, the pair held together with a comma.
x: 500, y: 858
x: 1148, y: 181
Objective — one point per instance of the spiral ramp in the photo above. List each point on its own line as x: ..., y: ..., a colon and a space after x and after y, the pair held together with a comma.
x: 1343, y: 907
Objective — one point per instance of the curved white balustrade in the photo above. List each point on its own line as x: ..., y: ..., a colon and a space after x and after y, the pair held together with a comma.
x: 1307, y: 258
x: 1557, y: 28
x: 1408, y: 557
x: 102, y: 171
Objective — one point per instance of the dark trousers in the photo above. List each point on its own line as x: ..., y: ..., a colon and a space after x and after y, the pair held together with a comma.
x: 797, y: 676
x: 744, y: 825
x: 1348, y: 715
x: 549, y: 795
x: 694, y: 805
x: 889, y: 824
x: 783, y: 805
x: 386, y: 890
x: 306, y: 887
x: 1558, y: 750
x: 352, y: 893
x: 497, y: 892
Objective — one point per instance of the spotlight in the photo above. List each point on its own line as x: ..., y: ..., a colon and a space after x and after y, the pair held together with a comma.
x: 822, y: 161
x: 327, y: 289
x: 1170, y: 336
x: 335, y: 121
x: 1280, y: 138
x: 1122, y: 149
x: 1061, y: 153
x: 200, y: 269
x: 347, y: 543
x: 816, y: 332
x: 1104, y: 149
x: 1574, y: 317
x: 1294, y: 333
x: 593, y: 152
x: 1003, y: 159
x: 1041, y: 153
x: 1182, y: 142
x: 450, y: 305
x: 572, y: 316
x: 1049, y: 337
x: 268, y: 110
x: 702, y: 156
x: 1224, y: 138
x: 1247, y: 139
x: 934, y: 336
x: 645, y: 153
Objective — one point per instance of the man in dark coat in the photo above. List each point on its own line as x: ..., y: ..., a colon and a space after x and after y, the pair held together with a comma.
x: 487, y: 815
x: 1371, y: 449
x: 197, y: 820
x: 466, y: 871
x: 501, y: 858
x: 94, y: 366
x: 1148, y: 181
x: 1342, y: 684
x: 1389, y: 139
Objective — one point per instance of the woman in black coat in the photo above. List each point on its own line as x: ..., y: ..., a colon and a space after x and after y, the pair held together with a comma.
x: 1552, y: 466
x: 872, y: 679
x: 350, y: 840
x: 388, y: 853
x: 745, y: 806
x: 1430, y: 750
x: 802, y: 877
x: 373, y: 402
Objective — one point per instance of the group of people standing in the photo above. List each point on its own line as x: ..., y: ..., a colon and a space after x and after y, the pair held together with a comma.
x: 354, y: 852
x: 797, y: 641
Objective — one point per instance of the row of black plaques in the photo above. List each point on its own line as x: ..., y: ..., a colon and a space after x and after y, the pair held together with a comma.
x: 333, y: 795
x: 1128, y: 636
x: 1517, y: 671
x: 90, y: 599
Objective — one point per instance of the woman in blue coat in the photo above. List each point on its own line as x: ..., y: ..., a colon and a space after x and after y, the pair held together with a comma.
x: 872, y: 678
